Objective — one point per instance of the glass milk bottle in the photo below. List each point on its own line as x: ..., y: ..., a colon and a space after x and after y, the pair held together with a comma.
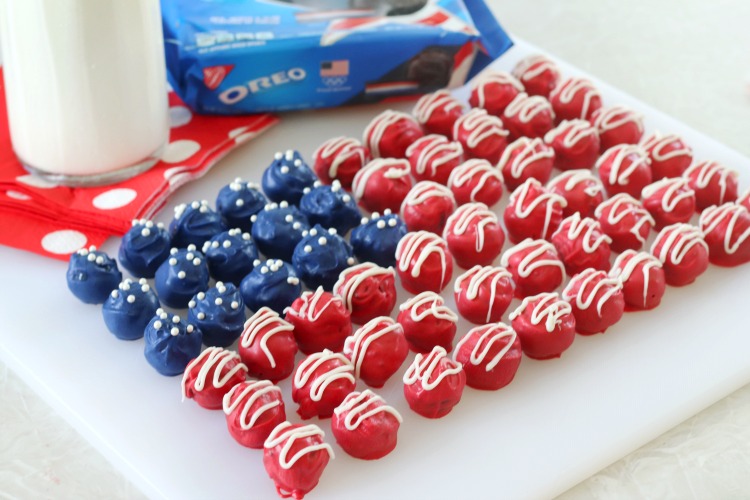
x: 85, y: 84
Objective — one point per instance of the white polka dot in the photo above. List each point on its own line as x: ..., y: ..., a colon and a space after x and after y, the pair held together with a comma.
x: 34, y: 181
x: 63, y: 241
x: 17, y: 196
x: 179, y: 179
x: 245, y: 137
x: 114, y: 198
x: 179, y: 116
x: 178, y: 151
x: 171, y: 172
x: 233, y: 134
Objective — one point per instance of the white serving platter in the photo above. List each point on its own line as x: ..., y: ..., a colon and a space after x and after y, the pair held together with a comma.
x: 559, y: 422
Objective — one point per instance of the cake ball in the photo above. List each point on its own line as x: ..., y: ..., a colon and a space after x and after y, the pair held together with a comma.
x: 321, y: 382
x: 625, y: 221
x: 210, y: 376
x: 618, y: 124
x: 744, y: 199
x: 368, y: 291
x: 286, y: 178
x: 382, y: 184
x: 529, y: 116
x: 253, y: 408
x: 433, y: 158
x: 624, y: 169
x: 144, y: 247
x: 92, y: 275
x: 713, y: 183
x: 575, y: 98
x: 535, y: 267
x: 267, y: 346
x: 481, y: 135
x: 525, y: 158
x: 538, y: 74
x: 545, y: 325
x: 474, y: 235
x: 377, y: 350
x: 642, y: 279
x: 273, y: 284
x: 365, y: 426
x: 490, y: 355
x: 726, y: 230
x: 194, y: 223
x: 330, y: 206
x: 427, y: 207
x: 238, y: 201
x: 582, y: 191
x: 581, y: 244
x: 683, y: 253
x: 669, y: 201
x: 483, y: 294
x: 230, y: 255
x: 494, y: 91
x: 340, y: 158
x: 170, y: 343
x: 670, y: 155
x: 219, y: 313
x: 278, y: 228
x: 596, y: 299
x: 434, y: 383
x: 476, y: 181
x: 576, y: 144
x: 532, y: 212
x: 129, y: 308
x: 320, y: 257
x: 437, y: 112
x: 390, y: 133
x: 423, y: 262
x: 295, y: 456
x: 376, y: 238
x: 181, y: 276
x: 320, y: 321
x: 427, y: 322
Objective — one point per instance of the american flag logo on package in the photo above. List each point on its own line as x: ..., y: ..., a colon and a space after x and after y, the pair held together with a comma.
x: 334, y: 73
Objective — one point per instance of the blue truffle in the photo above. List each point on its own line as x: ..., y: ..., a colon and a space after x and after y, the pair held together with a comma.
x: 230, y: 256
x: 277, y: 229
x: 238, y: 201
x: 375, y: 239
x: 272, y: 284
x: 219, y: 314
x: 194, y: 224
x: 286, y: 177
x: 320, y: 257
x: 129, y: 308
x: 171, y: 343
x: 92, y: 275
x: 144, y: 247
x: 330, y: 206
x: 181, y: 276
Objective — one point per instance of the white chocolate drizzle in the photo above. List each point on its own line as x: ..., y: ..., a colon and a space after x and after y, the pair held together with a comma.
x: 623, y: 161
x: 480, y: 125
x: 525, y: 107
x: 533, y: 66
x: 590, y: 282
x: 570, y: 88
x: 656, y: 144
x: 703, y: 172
x: 500, y: 78
x: 628, y: 261
x: 676, y: 241
x: 620, y: 206
x: 283, y: 433
x: 255, y: 389
x: 519, y: 198
x: 359, y: 406
x: 476, y: 277
x: 352, y: 278
x: 744, y: 199
x: 310, y: 365
x: 393, y: 169
x: 675, y: 189
x: 424, y: 366
x: 217, y: 358
x: 528, y: 151
x: 356, y: 346
x: 488, y: 336
x: 435, y: 307
x: 476, y: 215
x: 617, y: 116
x: 572, y: 131
x: 469, y: 170
x: 434, y: 152
x: 378, y: 126
x: 533, y: 259
x: 429, y: 103
x: 585, y: 229
x: 731, y: 212
x: 424, y: 190
x: 269, y: 322
x: 343, y: 148
x: 420, y: 245
x: 313, y: 305
x: 548, y: 307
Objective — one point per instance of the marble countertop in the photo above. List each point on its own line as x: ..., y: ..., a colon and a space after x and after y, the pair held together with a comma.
x: 688, y: 58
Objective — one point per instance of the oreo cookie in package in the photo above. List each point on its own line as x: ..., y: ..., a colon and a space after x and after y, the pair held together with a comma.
x: 249, y: 56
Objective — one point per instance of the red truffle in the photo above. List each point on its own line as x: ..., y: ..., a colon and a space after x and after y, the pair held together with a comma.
x: 365, y: 427
x: 582, y: 244
x: 433, y: 158
x: 320, y: 320
x: 575, y: 98
x: 474, y: 235
x: 476, y: 180
x: 493, y: 91
x: 625, y: 221
x: 423, y: 262
x: 582, y: 191
x: 481, y: 135
x: 576, y: 144
x: 427, y: 207
x: 545, y: 324
x: 382, y: 184
x: 525, y: 158
x: 538, y: 74
x: 618, y: 125
x: 532, y: 212
x: 683, y: 253
x: 490, y: 355
x: 321, y: 382
x: 624, y: 169
x: 529, y: 116
x: 669, y: 155
x: 483, y: 294
x: 713, y: 183
x: 726, y: 229
x: 744, y: 199
x: 211, y: 375
x: 433, y: 384
x: 377, y: 350
x: 390, y: 133
x: 669, y: 201
x: 427, y: 322
x: 535, y: 266
x: 437, y: 112
x: 368, y: 291
x: 596, y: 299
x: 267, y: 346
x: 253, y: 409
x: 642, y: 279
x: 340, y: 158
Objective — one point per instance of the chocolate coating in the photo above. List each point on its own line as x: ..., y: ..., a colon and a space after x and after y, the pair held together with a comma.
x: 286, y: 177
x: 144, y: 247
x: 194, y: 224
x: 273, y: 284
x: 171, y: 343
x: 375, y: 239
x: 181, y: 276
x: 230, y: 255
x: 129, y: 308
x: 92, y: 275
x: 330, y: 206
x: 238, y: 201
x: 219, y: 313
x: 320, y: 257
x: 277, y: 229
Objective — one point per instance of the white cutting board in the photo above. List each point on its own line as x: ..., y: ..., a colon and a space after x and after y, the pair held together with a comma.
x: 559, y: 422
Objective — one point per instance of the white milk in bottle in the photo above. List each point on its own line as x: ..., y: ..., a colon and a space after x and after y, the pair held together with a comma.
x: 85, y: 87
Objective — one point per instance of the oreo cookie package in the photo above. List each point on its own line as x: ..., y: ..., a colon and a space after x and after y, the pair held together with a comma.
x: 248, y: 56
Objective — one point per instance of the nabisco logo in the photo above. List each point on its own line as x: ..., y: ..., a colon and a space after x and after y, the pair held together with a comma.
x: 237, y: 93
x: 214, y: 75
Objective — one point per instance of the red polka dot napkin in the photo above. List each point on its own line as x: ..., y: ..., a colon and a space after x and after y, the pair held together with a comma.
x: 55, y: 221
